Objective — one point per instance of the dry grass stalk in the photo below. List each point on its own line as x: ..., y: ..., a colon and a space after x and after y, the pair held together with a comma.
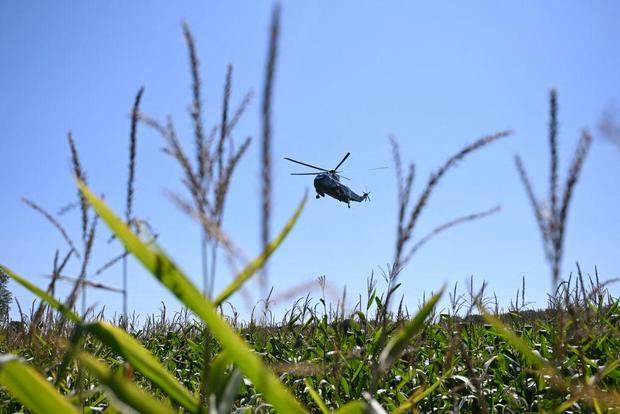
x: 54, y: 223
x: 133, y: 139
x: 75, y: 280
x: 538, y: 210
x: 224, y: 124
x: 609, y: 126
x: 135, y: 116
x: 79, y: 284
x: 552, y: 223
x: 553, y: 144
x: 209, y: 180
x: 407, y: 220
x: 88, y: 236
x: 56, y: 270
x: 245, y: 102
x: 208, y: 188
x: 66, y: 208
x: 223, y: 182
x: 110, y: 263
x: 88, y: 232
x: 439, y: 229
x: 226, y: 165
x: 196, y: 110
x: 79, y: 173
x: 266, y: 172
x: 212, y: 228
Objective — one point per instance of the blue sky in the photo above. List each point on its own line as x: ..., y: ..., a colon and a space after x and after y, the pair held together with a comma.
x: 436, y: 75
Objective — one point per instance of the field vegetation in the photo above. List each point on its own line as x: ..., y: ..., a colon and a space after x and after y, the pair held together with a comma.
x: 473, y: 355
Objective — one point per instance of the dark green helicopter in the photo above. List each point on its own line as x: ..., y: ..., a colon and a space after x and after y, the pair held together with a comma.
x: 328, y: 182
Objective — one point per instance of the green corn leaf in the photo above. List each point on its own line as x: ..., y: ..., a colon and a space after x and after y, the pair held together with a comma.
x: 565, y: 405
x: 400, y: 340
x: 427, y: 391
x: 316, y: 397
x: 171, y: 276
x: 30, y: 388
x: 534, y: 359
x: 54, y: 304
x: 227, y: 398
x: 124, y: 344
x: 608, y: 369
x: 217, y: 373
x: 353, y: 407
x: 50, y: 300
x: 122, y: 388
x: 257, y: 263
x: 419, y: 395
x: 416, y: 397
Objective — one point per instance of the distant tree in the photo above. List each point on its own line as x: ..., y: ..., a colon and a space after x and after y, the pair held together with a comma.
x: 5, y: 298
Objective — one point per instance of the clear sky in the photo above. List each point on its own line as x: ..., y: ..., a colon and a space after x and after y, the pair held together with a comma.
x: 437, y: 75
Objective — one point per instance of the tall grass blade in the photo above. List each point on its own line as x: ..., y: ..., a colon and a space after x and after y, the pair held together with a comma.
x: 316, y: 397
x: 417, y: 396
x: 353, y: 407
x: 30, y: 388
x: 400, y: 340
x: 123, y: 344
x: 259, y: 262
x: 534, y: 359
x: 142, y: 360
x: 170, y: 276
x: 122, y: 388
x: 227, y: 398
x: 53, y: 302
x: 427, y: 391
x: 217, y: 371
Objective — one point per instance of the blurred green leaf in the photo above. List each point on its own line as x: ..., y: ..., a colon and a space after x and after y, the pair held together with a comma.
x: 217, y: 373
x: 30, y: 388
x: 122, y: 388
x: 226, y: 399
x: 124, y: 344
x: 53, y: 302
x: 352, y: 407
x: 171, y: 276
x: 534, y: 359
x: 399, y: 341
x: 315, y: 396
x: 258, y: 262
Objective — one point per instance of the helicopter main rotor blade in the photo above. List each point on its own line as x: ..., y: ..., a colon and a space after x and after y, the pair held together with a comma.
x: 343, y: 160
x: 367, y: 169
x: 303, y: 163
x: 306, y: 173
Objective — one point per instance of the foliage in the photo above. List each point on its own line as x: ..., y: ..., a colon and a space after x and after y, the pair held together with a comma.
x: 511, y: 364
x: 318, y: 358
x: 5, y: 299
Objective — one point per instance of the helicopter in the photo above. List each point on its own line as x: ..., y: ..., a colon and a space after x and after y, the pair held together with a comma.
x: 328, y: 182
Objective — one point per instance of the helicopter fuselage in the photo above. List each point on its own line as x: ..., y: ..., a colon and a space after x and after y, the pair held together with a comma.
x: 329, y: 183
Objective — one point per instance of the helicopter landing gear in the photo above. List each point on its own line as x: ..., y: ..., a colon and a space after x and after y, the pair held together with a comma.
x: 317, y: 196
